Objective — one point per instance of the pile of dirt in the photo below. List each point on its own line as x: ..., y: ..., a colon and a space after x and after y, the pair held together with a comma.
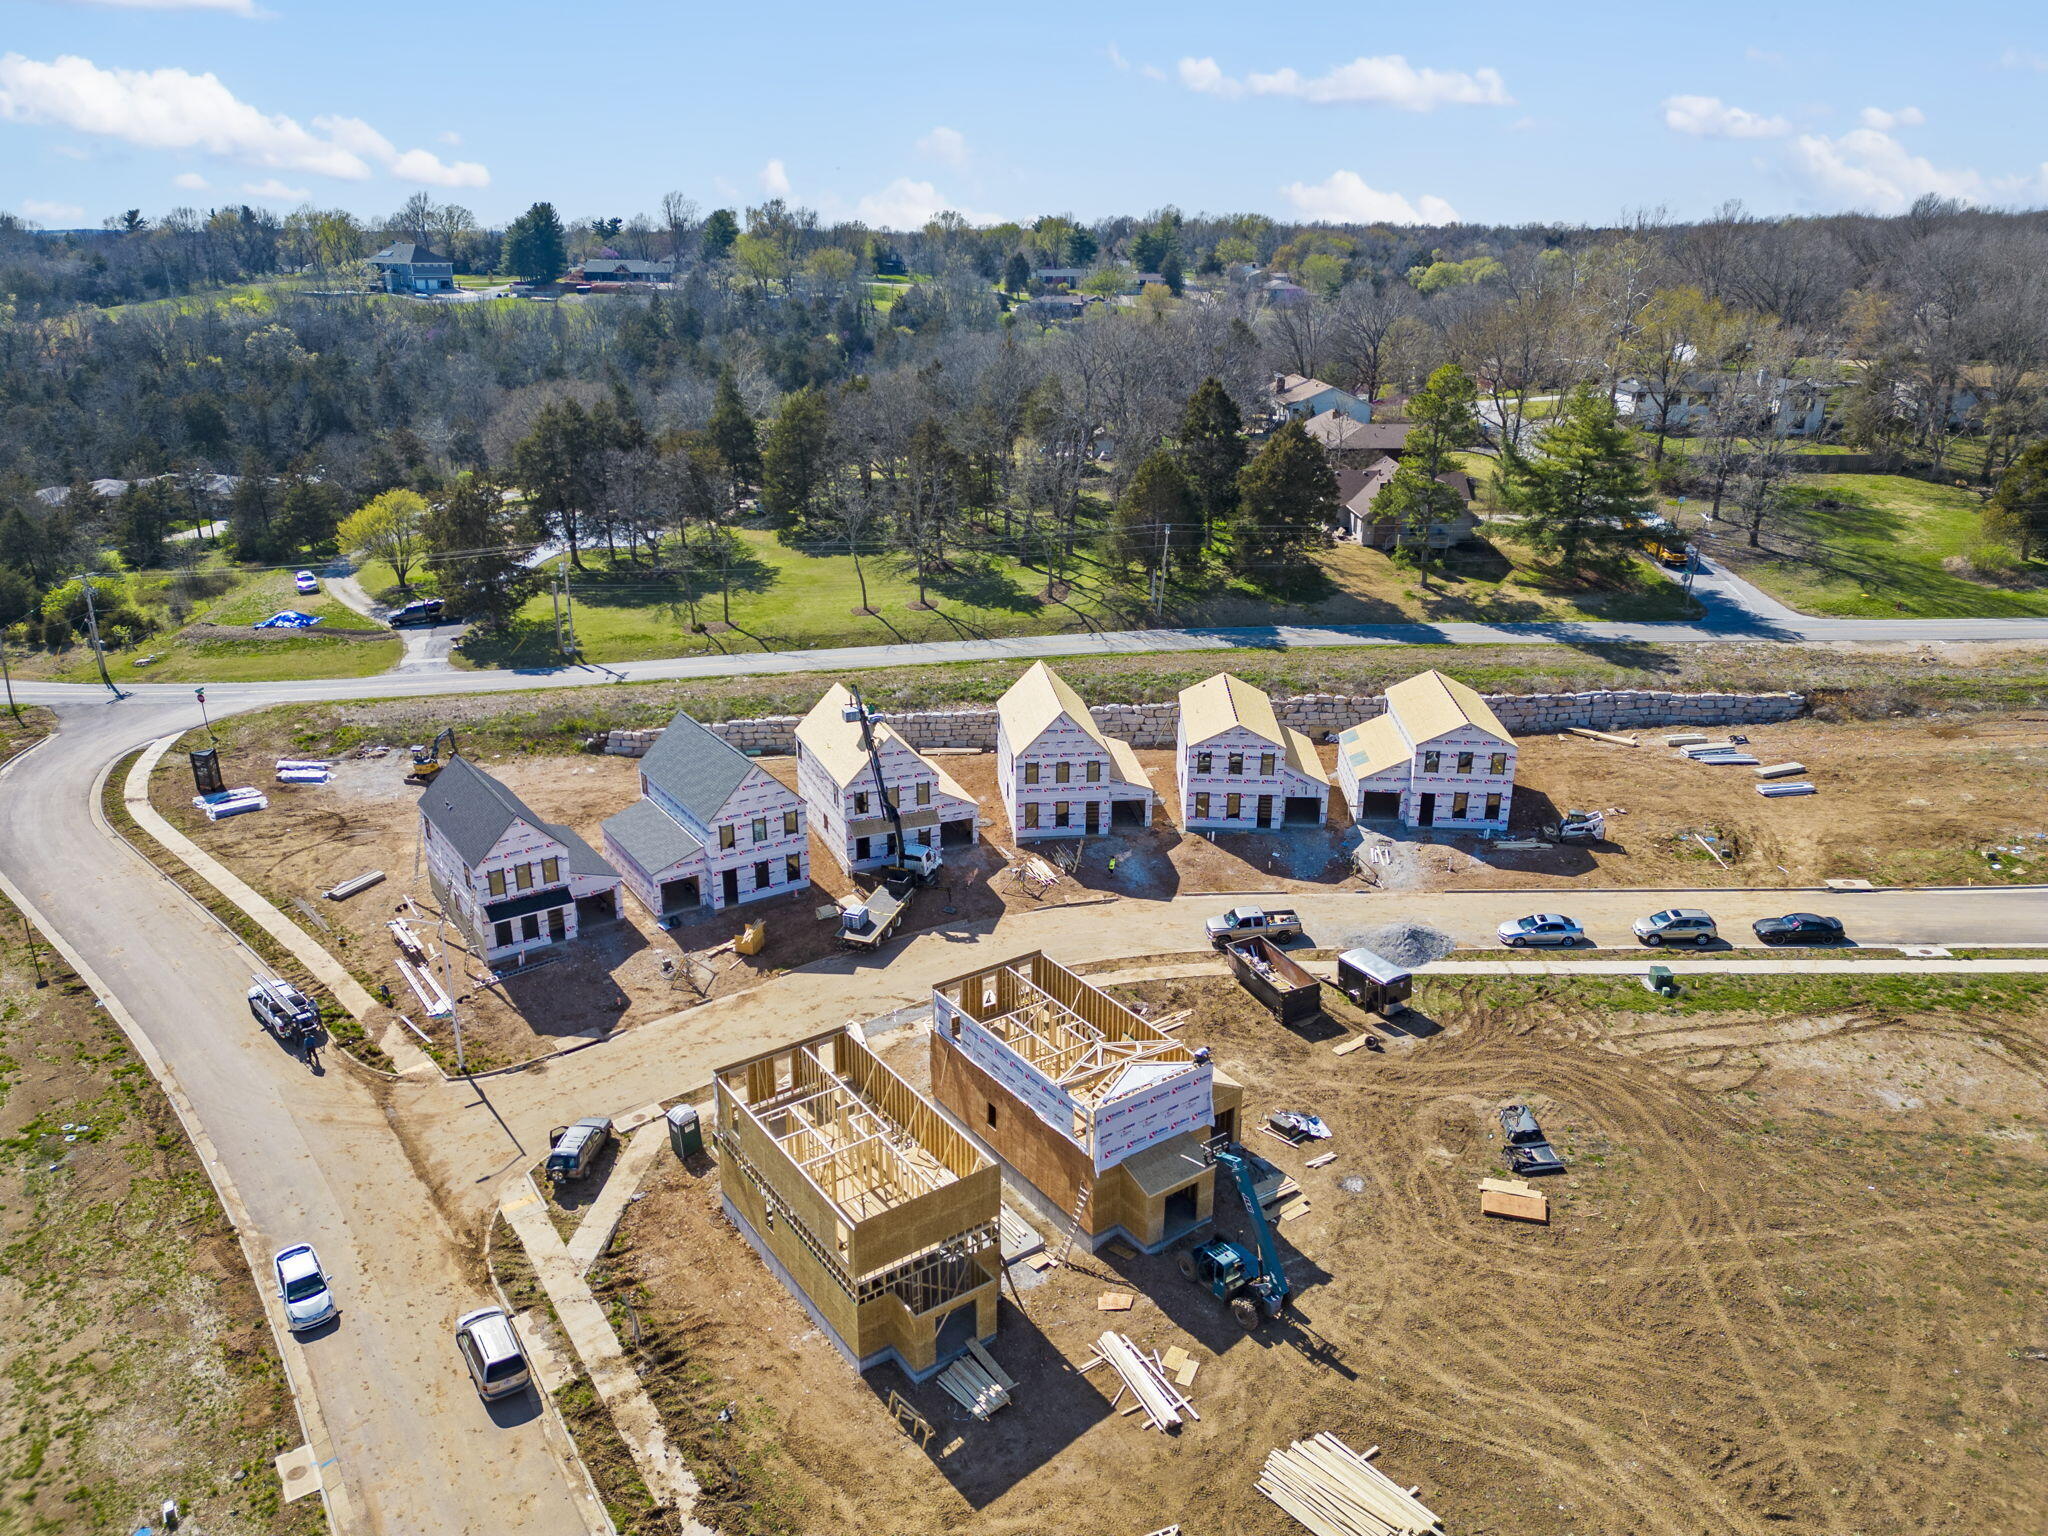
x: 1409, y: 944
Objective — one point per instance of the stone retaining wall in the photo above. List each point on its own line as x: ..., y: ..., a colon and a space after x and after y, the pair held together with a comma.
x: 1320, y: 716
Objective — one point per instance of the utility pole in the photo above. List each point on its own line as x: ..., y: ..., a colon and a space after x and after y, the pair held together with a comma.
x: 569, y: 611
x: 13, y: 708
x: 555, y: 592
x: 1159, y: 575
x: 92, y: 624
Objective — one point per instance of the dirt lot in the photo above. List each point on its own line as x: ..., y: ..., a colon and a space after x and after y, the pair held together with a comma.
x: 1789, y: 1284
x: 1905, y: 801
x: 135, y: 1362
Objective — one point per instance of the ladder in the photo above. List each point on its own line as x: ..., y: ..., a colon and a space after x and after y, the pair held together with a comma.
x: 1074, y: 1229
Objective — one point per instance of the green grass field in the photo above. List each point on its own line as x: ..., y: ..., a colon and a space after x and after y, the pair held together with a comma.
x: 1872, y: 546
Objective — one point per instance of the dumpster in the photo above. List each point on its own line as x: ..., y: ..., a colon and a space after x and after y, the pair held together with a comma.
x: 685, y: 1131
x: 1374, y: 983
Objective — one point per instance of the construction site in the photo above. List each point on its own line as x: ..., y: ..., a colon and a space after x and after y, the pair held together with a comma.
x: 1784, y: 1279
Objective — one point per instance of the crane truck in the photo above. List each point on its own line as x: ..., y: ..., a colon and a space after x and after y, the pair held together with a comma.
x: 1250, y: 1281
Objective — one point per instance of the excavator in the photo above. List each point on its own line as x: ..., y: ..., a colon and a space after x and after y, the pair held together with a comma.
x: 1250, y: 1281
x: 427, y: 761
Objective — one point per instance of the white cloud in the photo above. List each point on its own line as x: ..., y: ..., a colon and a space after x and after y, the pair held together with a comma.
x: 2023, y: 58
x: 1151, y: 71
x: 190, y: 181
x: 271, y: 190
x: 775, y: 179
x: 907, y: 204
x: 1709, y: 117
x: 1871, y: 169
x: 51, y: 213
x: 233, y: 7
x: 1116, y: 57
x: 1345, y: 199
x: 947, y: 144
x: 1385, y: 80
x: 1885, y: 122
x: 1757, y: 55
x: 175, y: 109
x: 449, y: 137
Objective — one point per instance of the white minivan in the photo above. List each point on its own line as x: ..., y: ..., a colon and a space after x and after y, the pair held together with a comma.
x: 490, y: 1349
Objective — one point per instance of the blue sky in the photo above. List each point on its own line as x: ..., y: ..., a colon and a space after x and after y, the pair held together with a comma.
x: 1486, y: 112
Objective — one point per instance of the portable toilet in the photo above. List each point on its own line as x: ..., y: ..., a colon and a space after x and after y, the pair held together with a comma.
x: 1374, y: 983
x: 685, y: 1131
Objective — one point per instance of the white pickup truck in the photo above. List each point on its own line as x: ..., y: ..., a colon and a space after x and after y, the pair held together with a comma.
x: 1267, y: 922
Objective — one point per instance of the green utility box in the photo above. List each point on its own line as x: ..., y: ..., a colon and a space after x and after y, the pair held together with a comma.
x: 685, y: 1131
x: 1661, y: 981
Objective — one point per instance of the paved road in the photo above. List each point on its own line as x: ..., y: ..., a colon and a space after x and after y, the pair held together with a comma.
x: 312, y: 1157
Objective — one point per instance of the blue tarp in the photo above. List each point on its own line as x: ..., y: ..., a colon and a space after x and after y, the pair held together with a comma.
x: 291, y: 618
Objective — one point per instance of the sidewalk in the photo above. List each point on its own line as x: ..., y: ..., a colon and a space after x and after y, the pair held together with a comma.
x: 350, y: 993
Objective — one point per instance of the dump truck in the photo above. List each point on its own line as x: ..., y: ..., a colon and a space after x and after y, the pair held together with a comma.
x: 1242, y: 922
x: 869, y: 925
x: 1288, y: 992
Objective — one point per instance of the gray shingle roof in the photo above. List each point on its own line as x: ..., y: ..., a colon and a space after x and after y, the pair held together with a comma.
x: 583, y: 859
x: 407, y: 253
x: 653, y: 837
x: 471, y: 809
x: 696, y: 769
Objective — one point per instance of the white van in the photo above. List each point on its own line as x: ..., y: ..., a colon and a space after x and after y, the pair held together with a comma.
x: 490, y: 1348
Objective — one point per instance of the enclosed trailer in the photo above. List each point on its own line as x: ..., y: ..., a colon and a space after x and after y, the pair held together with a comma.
x: 1373, y: 982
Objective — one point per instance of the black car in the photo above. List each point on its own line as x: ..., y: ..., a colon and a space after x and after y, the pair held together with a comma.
x: 1799, y: 928
x: 1526, y: 1148
x: 426, y: 610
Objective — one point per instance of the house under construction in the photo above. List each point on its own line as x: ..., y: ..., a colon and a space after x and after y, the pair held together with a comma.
x: 1099, y: 1115
x: 879, y: 1216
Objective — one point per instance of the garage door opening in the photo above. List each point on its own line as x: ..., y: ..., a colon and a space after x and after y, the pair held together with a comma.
x: 680, y: 895
x: 1303, y: 811
x: 601, y: 908
x: 1374, y: 805
x: 957, y: 833
x: 1127, y: 813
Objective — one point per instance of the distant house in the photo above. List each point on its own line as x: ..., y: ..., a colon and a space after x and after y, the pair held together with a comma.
x: 1058, y: 773
x: 1439, y: 757
x: 1051, y: 279
x: 409, y: 268
x: 1360, y: 444
x: 511, y: 882
x: 712, y: 828
x: 1284, y: 292
x: 1359, y: 489
x: 839, y: 788
x: 1299, y: 397
x: 1051, y: 308
x: 620, y: 269
x: 1786, y: 407
x: 1239, y: 767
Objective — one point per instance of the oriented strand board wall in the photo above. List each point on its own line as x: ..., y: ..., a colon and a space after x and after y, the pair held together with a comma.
x: 1049, y: 1161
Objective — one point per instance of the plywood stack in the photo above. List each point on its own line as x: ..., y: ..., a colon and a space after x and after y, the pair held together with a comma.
x: 1145, y: 1379
x: 1333, y: 1491
x: 977, y: 1383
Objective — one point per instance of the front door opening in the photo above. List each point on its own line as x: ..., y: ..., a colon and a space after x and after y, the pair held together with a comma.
x: 1093, y: 823
x: 1265, y: 810
x: 729, y: 885
x: 1425, y: 811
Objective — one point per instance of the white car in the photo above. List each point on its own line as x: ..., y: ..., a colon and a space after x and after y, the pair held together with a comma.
x: 302, y: 1286
x: 306, y: 582
x: 1541, y: 928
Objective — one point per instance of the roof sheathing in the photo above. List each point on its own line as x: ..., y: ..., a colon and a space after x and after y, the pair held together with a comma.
x: 1430, y: 704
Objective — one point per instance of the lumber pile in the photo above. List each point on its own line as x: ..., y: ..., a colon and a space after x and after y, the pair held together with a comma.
x: 1515, y: 1199
x: 1781, y: 790
x: 1778, y: 770
x: 408, y: 941
x: 353, y: 886
x: 977, y: 1383
x: 231, y: 802
x: 1144, y: 1378
x: 432, y: 995
x: 1619, y: 741
x: 300, y: 770
x: 1333, y: 1491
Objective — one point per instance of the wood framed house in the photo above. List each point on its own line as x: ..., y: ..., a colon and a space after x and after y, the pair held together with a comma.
x: 711, y: 830
x: 1438, y: 757
x: 1239, y: 768
x: 882, y: 1219
x: 1098, y: 1117
x: 839, y: 788
x: 513, y: 883
x: 1059, y: 774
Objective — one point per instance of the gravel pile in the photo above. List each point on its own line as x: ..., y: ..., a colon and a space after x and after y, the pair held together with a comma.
x: 1409, y: 944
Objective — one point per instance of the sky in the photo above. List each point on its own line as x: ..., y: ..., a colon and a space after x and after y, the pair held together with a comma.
x: 1356, y: 110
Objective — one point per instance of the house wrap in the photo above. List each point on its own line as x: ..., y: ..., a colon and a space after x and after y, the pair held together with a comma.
x: 1439, y: 757
x: 837, y: 780
x: 712, y: 828
x: 1059, y: 774
x: 1239, y: 768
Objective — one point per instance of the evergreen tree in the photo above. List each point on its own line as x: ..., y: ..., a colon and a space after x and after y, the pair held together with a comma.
x: 1081, y: 247
x: 732, y: 433
x: 1287, y: 500
x: 796, y: 456
x: 1445, y: 420
x: 307, y: 514
x: 472, y: 551
x: 1017, y: 273
x: 143, y: 518
x: 720, y: 231
x: 2018, y: 510
x: 1156, y: 516
x: 1172, y: 274
x: 1582, y: 495
x: 1212, y: 452
x: 536, y: 248
x: 557, y: 465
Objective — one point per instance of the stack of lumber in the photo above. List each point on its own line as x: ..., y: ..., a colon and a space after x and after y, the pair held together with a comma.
x: 1144, y: 1378
x: 1020, y: 1238
x: 231, y: 802
x: 433, y: 997
x: 408, y: 941
x: 1334, y: 1491
x: 1778, y: 770
x: 297, y: 770
x: 1515, y: 1199
x: 977, y: 1383
x: 1619, y: 741
x: 1780, y: 791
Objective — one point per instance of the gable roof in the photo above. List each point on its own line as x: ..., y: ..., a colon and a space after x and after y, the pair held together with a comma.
x: 1356, y: 488
x: 1307, y: 389
x: 472, y: 810
x: 407, y: 253
x: 835, y: 741
x: 1373, y: 746
x: 1429, y: 704
x: 654, y: 839
x: 1343, y: 434
x: 694, y: 767
x: 1031, y: 704
x: 1218, y: 703
x: 583, y: 859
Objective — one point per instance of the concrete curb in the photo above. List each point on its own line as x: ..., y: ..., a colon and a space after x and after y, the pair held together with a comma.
x: 334, y: 1495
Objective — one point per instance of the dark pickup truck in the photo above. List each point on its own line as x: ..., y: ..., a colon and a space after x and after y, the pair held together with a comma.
x: 1526, y: 1148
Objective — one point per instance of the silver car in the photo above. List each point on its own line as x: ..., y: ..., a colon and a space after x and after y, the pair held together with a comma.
x: 1541, y: 928
x: 1678, y: 925
x: 302, y: 1287
x: 490, y: 1349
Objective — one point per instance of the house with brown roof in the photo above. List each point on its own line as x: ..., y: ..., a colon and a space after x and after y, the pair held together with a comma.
x: 1438, y: 757
x: 836, y: 778
x: 1240, y: 769
x: 1360, y: 444
x: 1358, y: 490
x: 1059, y: 774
